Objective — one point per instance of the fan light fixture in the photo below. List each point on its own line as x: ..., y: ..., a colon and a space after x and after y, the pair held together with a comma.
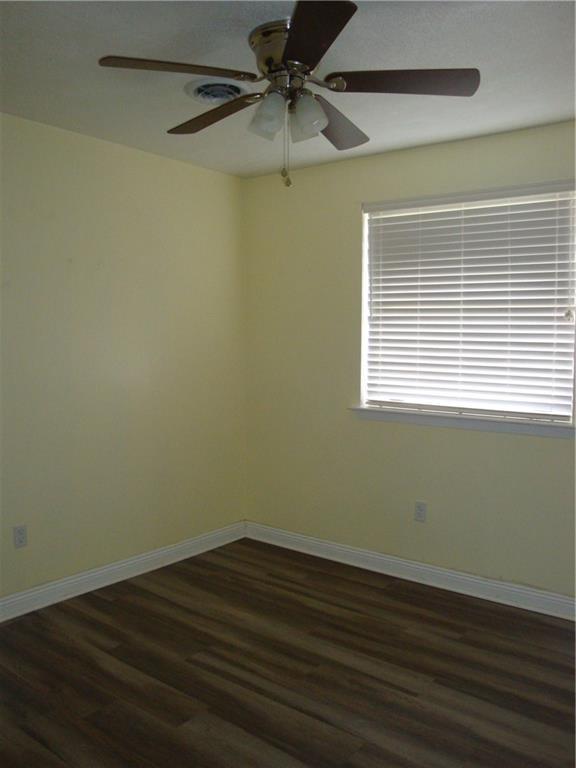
x: 308, y: 118
x: 269, y: 117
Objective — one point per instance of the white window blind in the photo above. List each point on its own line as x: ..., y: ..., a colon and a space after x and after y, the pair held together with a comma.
x: 469, y: 307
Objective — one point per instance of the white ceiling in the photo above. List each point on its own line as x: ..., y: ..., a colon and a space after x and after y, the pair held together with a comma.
x: 50, y: 72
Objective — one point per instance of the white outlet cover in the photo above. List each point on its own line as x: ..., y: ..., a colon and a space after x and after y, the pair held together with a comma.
x: 20, y: 536
x: 420, y: 511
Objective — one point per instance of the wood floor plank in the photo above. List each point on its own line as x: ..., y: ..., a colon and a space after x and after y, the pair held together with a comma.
x: 135, y: 733
x: 300, y: 650
x: 229, y: 745
x: 20, y: 652
x: 82, y: 626
x: 376, y: 757
x: 120, y: 681
x: 354, y: 705
x: 70, y: 739
x: 132, y: 621
x: 251, y: 656
x: 300, y: 734
x: 522, y: 697
x: 19, y: 749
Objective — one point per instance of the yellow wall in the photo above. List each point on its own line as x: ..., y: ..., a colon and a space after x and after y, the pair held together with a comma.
x: 500, y: 505
x: 122, y: 352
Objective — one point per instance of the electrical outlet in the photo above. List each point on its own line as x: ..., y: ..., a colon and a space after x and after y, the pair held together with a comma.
x: 420, y: 511
x: 20, y: 536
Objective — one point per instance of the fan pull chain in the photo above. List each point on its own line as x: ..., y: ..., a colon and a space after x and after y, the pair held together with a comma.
x: 285, y: 172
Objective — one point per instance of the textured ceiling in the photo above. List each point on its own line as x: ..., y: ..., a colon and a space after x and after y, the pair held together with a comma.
x: 50, y: 50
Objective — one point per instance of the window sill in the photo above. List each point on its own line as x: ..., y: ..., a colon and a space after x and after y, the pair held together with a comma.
x: 463, y: 422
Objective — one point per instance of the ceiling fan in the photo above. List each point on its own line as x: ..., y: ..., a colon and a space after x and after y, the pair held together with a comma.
x: 287, y: 53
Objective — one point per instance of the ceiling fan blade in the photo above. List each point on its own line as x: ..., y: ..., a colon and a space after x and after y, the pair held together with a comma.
x: 340, y: 131
x: 125, y: 62
x: 436, y: 82
x: 214, y: 115
x: 313, y: 28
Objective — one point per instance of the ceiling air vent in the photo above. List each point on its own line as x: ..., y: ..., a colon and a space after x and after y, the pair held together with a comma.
x: 214, y: 92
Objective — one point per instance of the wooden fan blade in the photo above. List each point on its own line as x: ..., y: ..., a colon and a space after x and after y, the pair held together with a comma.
x: 313, y: 28
x: 214, y: 115
x: 340, y: 131
x: 436, y: 82
x: 125, y: 62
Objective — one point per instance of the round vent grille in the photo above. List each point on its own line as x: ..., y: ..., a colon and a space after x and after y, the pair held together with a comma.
x: 213, y: 93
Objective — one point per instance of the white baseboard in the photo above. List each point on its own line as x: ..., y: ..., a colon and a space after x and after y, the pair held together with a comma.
x: 55, y: 591
x: 503, y: 592
x: 476, y: 586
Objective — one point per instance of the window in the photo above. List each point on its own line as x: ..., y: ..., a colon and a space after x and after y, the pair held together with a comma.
x: 469, y: 307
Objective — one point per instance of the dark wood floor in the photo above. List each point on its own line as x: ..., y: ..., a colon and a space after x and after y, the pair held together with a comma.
x: 251, y: 656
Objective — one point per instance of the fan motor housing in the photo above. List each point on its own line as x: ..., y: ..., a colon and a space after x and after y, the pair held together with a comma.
x: 268, y: 42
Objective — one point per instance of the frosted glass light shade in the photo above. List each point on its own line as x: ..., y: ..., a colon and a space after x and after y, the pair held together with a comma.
x: 308, y: 118
x: 296, y: 134
x: 269, y: 117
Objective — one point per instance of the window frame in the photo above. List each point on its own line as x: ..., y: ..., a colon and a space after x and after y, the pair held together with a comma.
x: 444, y: 417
